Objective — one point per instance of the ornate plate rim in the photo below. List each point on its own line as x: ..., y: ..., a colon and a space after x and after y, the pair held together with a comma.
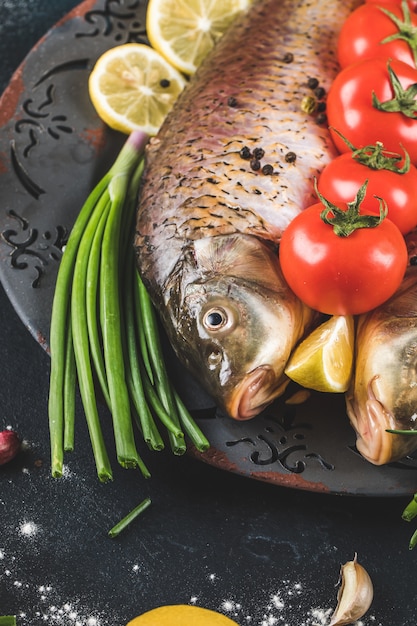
x: 33, y: 116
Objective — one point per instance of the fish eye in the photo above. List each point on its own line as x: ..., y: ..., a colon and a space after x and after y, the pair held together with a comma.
x: 214, y: 319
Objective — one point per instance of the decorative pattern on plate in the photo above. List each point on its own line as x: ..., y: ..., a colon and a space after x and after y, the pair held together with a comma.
x: 118, y: 20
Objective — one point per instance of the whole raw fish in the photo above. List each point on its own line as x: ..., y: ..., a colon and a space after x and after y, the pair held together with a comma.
x: 211, y: 215
x: 383, y: 394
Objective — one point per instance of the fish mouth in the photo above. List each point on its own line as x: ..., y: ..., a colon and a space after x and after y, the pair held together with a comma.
x: 370, y: 423
x: 258, y: 389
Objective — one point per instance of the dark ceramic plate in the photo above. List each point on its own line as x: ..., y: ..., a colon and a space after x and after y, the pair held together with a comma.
x: 53, y: 149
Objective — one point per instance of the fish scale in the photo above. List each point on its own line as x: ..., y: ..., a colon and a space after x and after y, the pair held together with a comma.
x: 194, y: 164
x: 209, y: 224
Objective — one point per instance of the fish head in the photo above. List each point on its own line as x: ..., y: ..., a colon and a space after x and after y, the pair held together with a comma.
x: 236, y: 322
x: 373, y: 415
x: 383, y: 395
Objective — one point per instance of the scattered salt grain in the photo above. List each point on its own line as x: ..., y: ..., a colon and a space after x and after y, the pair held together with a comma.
x: 230, y: 606
x: 66, y: 472
x: 321, y: 616
x: 277, y: 602
x: 28, y: 529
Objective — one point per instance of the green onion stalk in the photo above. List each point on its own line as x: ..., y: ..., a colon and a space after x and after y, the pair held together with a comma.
x: 128, y: 519
x: 410, y: 511
x: 104, y: 333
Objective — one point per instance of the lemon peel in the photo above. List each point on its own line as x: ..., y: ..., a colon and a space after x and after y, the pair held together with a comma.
x: 324, y: 360
x: 181, y: 615
x: 184, y: 31
x: 132, y: 87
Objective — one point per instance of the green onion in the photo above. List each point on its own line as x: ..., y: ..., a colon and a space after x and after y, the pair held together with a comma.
x: 7, y: 620
x: 111, y: 328
x: 93, y: 272
x: 396, y: 431
x: 190, y: 427
x: 128, y: 519
x: 59, y: 329
x: 162, y: 384
x: 105, y: 334
x: 410, y: 511
x: 70, y: 376
x: 81, y: 341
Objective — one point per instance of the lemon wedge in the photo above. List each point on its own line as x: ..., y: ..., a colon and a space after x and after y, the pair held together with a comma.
x: 181, y: 615
x: 184, y: 31
x: 132, y: 87
x: 324, y: 360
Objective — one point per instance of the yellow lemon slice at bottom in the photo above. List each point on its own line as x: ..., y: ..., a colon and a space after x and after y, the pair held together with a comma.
x: 181, y: 615
x: 184, y: 31
x: 132, y: 87
x: 324, y: 360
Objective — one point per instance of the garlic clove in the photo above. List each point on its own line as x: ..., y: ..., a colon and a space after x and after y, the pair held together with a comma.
x: 10, y: 445
x: 355, y: 594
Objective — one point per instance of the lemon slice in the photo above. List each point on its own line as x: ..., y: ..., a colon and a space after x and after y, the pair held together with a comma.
x: 184, y: 31
x: 132, y: 87
x: 181, y: 615
x: 324, y: 360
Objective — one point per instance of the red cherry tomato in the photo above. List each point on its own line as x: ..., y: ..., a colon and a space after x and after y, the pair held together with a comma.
x: 341, y: 275
x: 363, y: 33
x: 351, y: 109
x: 411, y: 3
x: 342, y: 178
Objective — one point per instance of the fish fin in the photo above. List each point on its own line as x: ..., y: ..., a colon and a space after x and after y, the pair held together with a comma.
x: 238, y: 256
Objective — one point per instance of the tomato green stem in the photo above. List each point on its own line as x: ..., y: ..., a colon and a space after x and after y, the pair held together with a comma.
x: 345, y: 222
x: 406, y: 30
x: 376, y: 157
x: 404, y: 100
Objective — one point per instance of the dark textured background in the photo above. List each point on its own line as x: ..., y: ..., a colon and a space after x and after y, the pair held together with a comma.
x: 209, y: 537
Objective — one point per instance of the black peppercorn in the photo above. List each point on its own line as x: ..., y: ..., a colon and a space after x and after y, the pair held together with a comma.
x: 232, y: 102
x: 290, y: 157
x: 312, y: 83
x: 245, y: 153
x: 320, y: 92
x: 258, y: 153
x: 267, y: 169
x: 164, y: 82
x: 255, y: 164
